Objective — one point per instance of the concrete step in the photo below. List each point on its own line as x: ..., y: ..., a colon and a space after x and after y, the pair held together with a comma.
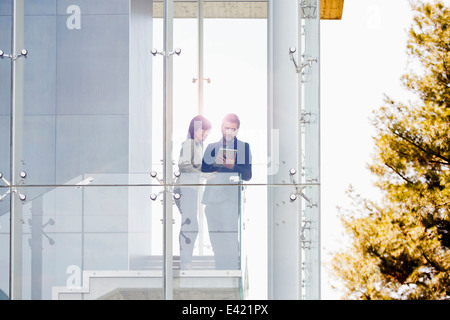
x: 147, y: 285
x: 178, y: 294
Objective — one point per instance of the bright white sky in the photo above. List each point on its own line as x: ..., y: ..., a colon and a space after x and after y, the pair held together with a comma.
x: 363, y: 57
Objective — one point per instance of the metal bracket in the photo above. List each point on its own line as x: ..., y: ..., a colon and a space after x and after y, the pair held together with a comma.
x: 299, y: 191
x: 23, y: 53
x: 208, y: 80
x: 84, y: 182
x: 306, y: 225
x: 303, y: 116
x: 309, y: 11
x: 22, y: 197
x: 154, y: 52
x: 299, y: 68
x: 307, y: 272
x: 154, y: 196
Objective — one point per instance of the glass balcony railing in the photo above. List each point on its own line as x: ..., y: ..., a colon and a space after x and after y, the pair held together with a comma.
x: 87, y: 241
x: 90, y: 120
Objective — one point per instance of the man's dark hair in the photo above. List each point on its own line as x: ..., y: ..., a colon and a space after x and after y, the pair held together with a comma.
x: 231, y: 117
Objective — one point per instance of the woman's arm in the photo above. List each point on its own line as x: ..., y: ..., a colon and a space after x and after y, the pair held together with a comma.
x: 186, y: 160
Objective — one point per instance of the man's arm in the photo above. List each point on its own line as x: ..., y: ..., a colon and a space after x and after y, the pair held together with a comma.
x: 245, y: 169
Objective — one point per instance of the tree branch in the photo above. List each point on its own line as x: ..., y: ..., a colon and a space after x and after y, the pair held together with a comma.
x: 447, y: 161
x: 397, y: 172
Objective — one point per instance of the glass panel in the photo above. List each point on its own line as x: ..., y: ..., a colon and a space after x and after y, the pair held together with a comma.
x: 5, y: 103
x: 310, y: 116
x: 5, y: 88
x: 4, y: 242
x: 235, y: 60
x: 81, y: 93
x: 254, y: 242
x: 207, y: 230
x: 206, y: 245
x: 310, y: 242
x: 215, y: 224
x: 185, y: 99
x: 222, y: 247
x: 80, y: 242
x: 287, y: 198
x: 91, y: 227
x: 157, y: 100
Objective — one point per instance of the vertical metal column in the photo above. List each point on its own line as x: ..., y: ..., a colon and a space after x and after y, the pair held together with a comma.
x: 167, y: 150
x: 200, y: 79
x: 16, y: 146
x: 283, y: 113
x: 300, y: 148
x: 200, y: 55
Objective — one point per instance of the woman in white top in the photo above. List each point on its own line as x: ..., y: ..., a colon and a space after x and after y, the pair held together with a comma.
x: 190, y: 164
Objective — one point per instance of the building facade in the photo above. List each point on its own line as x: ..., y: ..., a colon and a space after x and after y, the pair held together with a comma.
x: 95, y: 103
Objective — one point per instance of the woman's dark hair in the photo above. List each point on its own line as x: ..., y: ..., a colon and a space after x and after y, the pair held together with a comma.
x: 198, y: 122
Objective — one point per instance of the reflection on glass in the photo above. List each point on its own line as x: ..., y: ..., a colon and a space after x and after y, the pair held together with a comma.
x: 77, y: 234
x: 4, y: 242
x: 230, y: 161
x: 5, y: 88
x: 5, y: 105
x: 78, y: 87
x: 235, y: 61
x: 190, y: 165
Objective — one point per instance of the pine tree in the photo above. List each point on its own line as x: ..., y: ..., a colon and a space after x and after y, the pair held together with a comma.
x: 400, y: 247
